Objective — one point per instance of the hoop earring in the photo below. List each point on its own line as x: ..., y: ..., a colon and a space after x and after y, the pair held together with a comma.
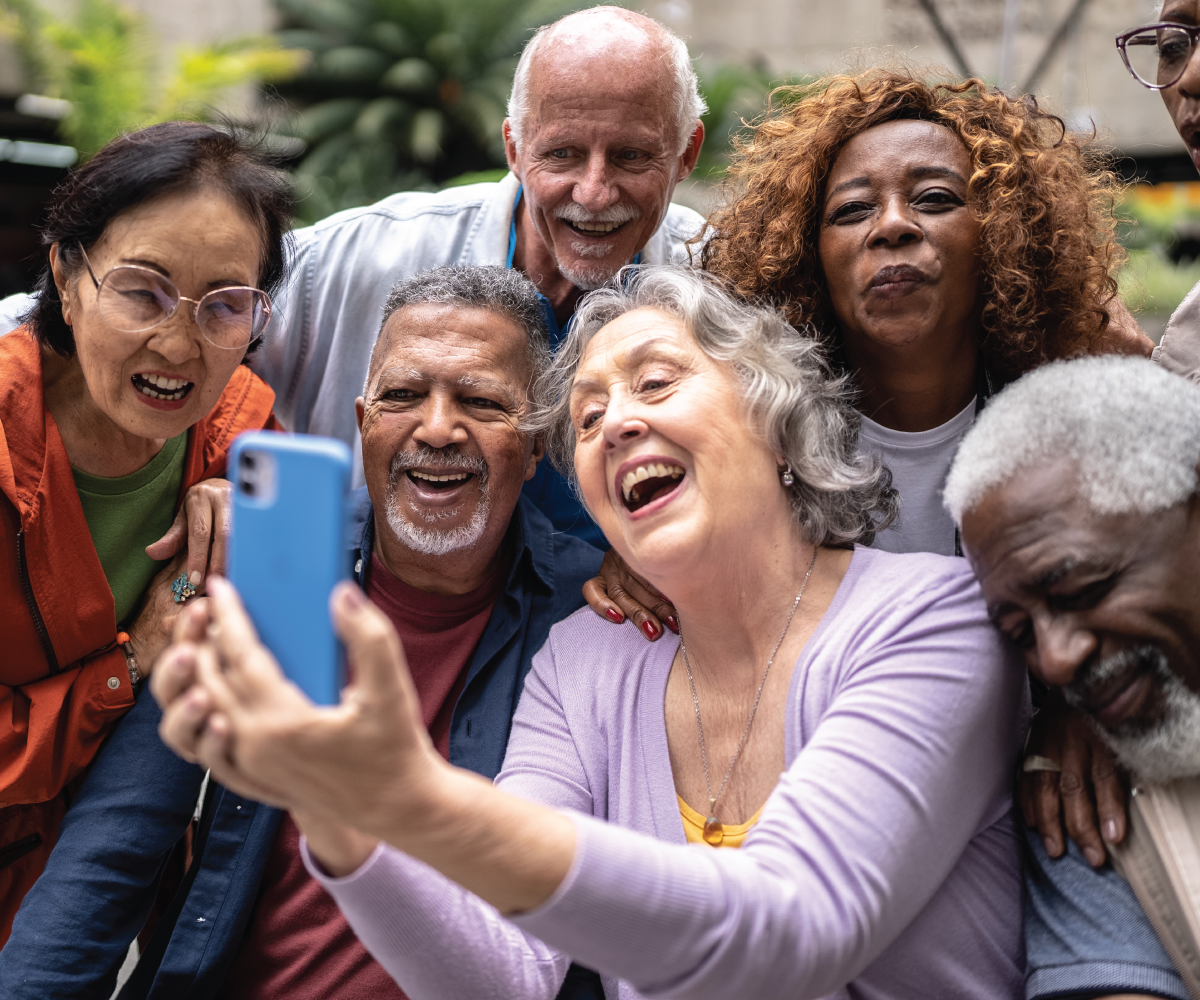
x: 786, y: 476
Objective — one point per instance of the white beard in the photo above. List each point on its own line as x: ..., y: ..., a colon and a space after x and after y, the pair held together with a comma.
x: 437, y: 541
x: 1167, y: 750
x: 427, y: 539
x: 588, y: 279
x: 596, y: 276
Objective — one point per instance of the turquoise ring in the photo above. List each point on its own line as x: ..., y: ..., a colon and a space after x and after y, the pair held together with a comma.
x: 181, y: 589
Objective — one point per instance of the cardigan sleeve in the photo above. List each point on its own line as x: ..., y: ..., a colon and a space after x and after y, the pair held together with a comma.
x: 436, y: 939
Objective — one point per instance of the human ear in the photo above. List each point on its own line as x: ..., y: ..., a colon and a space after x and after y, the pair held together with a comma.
x: 360, y: 407
x: 61, y: 283
x: 536, y: 454
x: 687, y: 161
x: 510, y: 151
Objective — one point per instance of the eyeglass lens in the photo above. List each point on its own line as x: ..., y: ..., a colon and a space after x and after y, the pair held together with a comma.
x: 1158, y: 56
x: 134, y: 299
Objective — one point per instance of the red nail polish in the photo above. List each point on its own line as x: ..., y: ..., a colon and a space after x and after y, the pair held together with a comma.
x: 650, y: 630
x: 613, y: 615
x: 672, y: 624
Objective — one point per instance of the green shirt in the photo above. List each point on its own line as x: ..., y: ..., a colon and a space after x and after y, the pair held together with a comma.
x: 126, y: 514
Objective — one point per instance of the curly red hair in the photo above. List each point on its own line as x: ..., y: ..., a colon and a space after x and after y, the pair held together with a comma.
x: 1045, y: 201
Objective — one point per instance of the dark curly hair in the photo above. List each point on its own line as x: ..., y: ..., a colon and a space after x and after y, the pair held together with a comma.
x: 135, y: 168
x: 1045, y: 201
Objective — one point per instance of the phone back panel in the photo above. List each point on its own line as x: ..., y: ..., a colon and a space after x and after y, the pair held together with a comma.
x: 287, y: 549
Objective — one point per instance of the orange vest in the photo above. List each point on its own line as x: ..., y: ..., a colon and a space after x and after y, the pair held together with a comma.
x: 63, y: 679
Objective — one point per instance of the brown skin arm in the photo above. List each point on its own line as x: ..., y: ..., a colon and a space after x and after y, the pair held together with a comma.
x: 618, y: 593
x: 1088, y: 797
x: 1123, y: 335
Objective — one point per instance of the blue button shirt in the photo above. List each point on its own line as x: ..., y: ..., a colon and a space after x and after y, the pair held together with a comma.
x: 74, y: 927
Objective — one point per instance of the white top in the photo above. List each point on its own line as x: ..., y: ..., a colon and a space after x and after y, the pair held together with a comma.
x: 920, y: 462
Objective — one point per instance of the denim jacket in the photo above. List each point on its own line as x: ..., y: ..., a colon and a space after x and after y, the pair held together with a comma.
x: 74, y: 928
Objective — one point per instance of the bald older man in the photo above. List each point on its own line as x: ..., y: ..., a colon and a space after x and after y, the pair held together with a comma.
x: 1079, y: 501
x: 603, y: 122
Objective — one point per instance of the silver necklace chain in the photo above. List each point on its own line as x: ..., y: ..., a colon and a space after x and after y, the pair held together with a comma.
x: 712, y: 799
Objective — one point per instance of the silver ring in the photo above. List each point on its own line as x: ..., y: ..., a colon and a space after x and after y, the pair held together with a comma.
x: 1035, y: 763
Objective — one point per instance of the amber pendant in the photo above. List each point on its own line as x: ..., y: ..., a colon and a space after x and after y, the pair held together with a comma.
x: 714, y: 832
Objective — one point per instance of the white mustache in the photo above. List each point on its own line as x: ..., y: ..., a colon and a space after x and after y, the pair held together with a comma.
x: 572, y: 211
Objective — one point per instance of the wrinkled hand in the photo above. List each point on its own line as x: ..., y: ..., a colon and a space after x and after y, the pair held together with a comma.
x: 618, y: 593
x: 203, y: 524
x: 227, y: 705
x: 1088, y: 795
x: 150, y: 632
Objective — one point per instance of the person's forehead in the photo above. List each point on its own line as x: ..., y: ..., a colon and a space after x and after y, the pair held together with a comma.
x: 597, y: 74
x: 1028, y: 528
x: 632, y: 337
x: 900, y: 147
x: 453, y: 338
x: 1181, y: 11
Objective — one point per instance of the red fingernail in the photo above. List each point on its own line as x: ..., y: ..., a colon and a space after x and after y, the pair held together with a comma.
x: 613, y: 615
x: 672, y: 624
x: 650, y: 630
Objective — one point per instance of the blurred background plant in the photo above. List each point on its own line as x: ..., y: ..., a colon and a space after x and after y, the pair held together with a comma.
x: 401, y: 94
x: 736, y: 95
x: 1161, y: 231
x: 104, y: 60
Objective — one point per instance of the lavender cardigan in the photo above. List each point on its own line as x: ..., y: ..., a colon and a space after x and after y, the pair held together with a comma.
x: 884, y: 865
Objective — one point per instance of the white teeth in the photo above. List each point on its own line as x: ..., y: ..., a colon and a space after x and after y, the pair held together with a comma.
x: 652, y: 470
x: 596, y: 227
x: 451, y: 478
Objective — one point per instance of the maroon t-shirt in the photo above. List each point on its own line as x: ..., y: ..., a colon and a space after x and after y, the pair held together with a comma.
x: 297, y: 943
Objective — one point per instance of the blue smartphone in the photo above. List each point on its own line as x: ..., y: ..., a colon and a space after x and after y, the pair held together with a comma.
x: 287, y: 549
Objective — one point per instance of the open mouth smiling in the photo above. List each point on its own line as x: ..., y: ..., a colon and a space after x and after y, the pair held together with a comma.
x: 648, y: 482
x: 438, y: 482
x: 161, y: 387
x: 594, y: 228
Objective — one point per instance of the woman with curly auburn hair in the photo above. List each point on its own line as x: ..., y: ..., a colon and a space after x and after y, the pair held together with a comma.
x: 942, y: 239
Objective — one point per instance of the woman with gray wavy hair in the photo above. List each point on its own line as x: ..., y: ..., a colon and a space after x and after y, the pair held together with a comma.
x: 805, y: 795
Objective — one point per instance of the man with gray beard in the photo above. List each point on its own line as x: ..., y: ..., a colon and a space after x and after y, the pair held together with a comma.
x: 471, y: 574
x: 1077, y: 495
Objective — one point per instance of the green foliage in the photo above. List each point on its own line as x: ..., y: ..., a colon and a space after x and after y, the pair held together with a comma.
x: 103, y: 60
x: 736, y: 94
x: 1151, y: 283
x: 401, y: 94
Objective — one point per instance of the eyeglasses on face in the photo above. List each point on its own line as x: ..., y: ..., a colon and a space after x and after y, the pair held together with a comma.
x: 135, y: 299
x: 1158, y: 54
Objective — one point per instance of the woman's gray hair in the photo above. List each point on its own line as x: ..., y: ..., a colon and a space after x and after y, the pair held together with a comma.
x: 687, y: 103
x: 792, y: 397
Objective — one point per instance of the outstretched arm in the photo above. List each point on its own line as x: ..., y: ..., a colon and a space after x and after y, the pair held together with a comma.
x: 865, y: 826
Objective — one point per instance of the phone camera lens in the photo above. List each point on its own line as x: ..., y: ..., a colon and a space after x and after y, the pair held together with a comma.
x: 248, y: 459
x: 248, y: 487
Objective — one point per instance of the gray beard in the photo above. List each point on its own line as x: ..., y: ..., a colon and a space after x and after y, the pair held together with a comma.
x: 588, y: 279
x: 427, y: 539
x: 1165, y: 750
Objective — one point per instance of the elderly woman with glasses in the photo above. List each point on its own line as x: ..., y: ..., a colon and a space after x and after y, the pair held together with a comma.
x: 806, y: 794
x: 119, y: 398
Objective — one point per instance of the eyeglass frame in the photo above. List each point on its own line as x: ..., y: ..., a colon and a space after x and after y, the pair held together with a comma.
x: 196, y: 303
x: 1191, y: 30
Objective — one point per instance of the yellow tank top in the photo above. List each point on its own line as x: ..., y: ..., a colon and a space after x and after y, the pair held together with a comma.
x: 693, y: 827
